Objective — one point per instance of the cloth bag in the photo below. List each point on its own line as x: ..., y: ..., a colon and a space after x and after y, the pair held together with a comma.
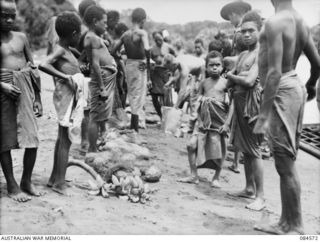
x: 171, y: 119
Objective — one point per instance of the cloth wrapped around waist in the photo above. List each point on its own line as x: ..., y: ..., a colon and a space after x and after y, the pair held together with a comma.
x: 137, y: 85
x: 26, y: 79
x: 101, y: 110
x: 212, y: 114
x: 287, y: 115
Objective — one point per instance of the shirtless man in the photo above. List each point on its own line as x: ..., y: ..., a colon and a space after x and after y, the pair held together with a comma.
x: 283, y: 39
x: 246, y: 103
x: 137, y: 48
x: 20, y: 98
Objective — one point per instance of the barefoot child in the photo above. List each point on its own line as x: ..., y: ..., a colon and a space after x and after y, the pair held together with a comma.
x: 207, y: 147
x: 62, y: 64
x: 19, y: 104
x: 103, y: 74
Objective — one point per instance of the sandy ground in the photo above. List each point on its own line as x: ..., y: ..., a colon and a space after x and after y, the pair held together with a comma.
x: 175, y: 209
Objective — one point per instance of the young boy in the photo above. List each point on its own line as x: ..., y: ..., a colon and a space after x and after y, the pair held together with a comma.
x: 207, y: 147
x: 137, y: 48
x: 19, y: 105
x: 103, y: 74
x: 62, y: 64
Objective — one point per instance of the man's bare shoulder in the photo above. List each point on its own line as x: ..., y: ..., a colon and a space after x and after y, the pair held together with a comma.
x: 92, y: 40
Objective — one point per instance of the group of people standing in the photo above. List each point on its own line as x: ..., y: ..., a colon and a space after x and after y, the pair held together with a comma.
x: 247, y: 89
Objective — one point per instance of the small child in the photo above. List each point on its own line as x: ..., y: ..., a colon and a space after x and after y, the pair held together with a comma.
x: 62, y: 64
x: 103, y: 74
x: 207, y: 147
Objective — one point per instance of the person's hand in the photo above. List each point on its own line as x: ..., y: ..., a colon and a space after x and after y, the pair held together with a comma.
x: 10, y: 90
x: 311, y: 91
x: 228, y: 75
x: 224, y: 129
x: 72, y: 83
x: 103, y: 95
x: 142, y: 66
x: 262, y: 125
x: 37, y: 108
x: 168, y: 84
x: 149, y: 84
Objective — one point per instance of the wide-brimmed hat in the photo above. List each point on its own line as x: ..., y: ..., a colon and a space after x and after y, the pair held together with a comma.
x: 234, y: 7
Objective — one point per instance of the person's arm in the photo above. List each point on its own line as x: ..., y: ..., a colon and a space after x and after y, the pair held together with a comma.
x: 246, y: 79
x: 275, y: 56
x: 311, y: 53
x: 47, y: 65
x: 117, y: 46
x: 173, y: 79
x: 37, y: 105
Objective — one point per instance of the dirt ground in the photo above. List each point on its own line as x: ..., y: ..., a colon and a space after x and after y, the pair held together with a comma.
x: 175, y: 209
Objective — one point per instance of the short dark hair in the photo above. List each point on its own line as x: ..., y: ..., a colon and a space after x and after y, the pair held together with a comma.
x: 67, y: 23
x: 84, y: 5
x: 221, y: 45
x: 113, y: 14
x: 138, y: 14
x: 155, y: 33
x: 214, y: 54
x: 253, y: 16
x: 93, y: 12
x: 120, y: 28
x: 200, y: 41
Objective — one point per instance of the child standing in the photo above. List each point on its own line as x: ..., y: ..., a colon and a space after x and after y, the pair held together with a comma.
x: 207, y: 147
x: 103, y: 74
x: 62, y: 64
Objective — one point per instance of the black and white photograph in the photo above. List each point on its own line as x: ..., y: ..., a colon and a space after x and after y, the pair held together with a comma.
x: 159, y: 117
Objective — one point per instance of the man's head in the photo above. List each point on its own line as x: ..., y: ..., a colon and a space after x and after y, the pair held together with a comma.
x: 113, y: 18
x: 68, y: 27
x: 221, y: 45
x: 250, y: 28
x: 96, y: 19
x: 198, y: 46
x: 169, y: 62
x: 120, y: 28
x: 234, y: 11
x: 214, y: 64
x: 84, y: 5
x: 139, y: 16
x: 8, y: 15
x: 178, y: 44
x: 158, y: 38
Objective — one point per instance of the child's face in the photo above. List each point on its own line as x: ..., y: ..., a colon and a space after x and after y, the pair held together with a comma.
x: 101, y: 25
x: 250, y: 33
x: 75, y: 38
x: 8, y: 16
x: 214, y: 67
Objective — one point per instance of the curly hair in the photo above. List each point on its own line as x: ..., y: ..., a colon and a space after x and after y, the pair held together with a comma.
x: 67, y: 23
x: 138, y: 15
x: 214, y: 54
x: 93, y: 12
x: 253, y: 16
x: 84, y: 5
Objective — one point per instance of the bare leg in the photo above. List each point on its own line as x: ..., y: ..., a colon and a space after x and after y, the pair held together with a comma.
x: 192, y: 155
x: 249, y: 190
x: 156, y: 104
x: 257, y: 172
x: 93, y: 136
x: 215, y: 180
x: 235, y: 165
x: 135, y: 122
x: 55, y: 158
x: 14, y: 191
x: 84, y: 131
x: 291, y: 218
x: 29, y: 160
x: 62, y: 161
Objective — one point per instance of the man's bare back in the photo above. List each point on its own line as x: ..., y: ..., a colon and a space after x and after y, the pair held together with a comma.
x: 13, y: 48
x: 295, y: 35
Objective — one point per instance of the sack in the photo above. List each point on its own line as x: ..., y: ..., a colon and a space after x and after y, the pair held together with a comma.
x: 167, y: 97
x: 171, y: 119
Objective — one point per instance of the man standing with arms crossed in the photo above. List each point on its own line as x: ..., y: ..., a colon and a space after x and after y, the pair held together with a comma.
x: 283, y: 39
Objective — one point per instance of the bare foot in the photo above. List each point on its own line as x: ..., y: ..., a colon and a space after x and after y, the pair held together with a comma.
x: 257, y: 205
x: 243, y: 193
x: 20, y: 197
x: 61, y: 189
x: 215, y: 184
x: 271, y: 229
x: 30, y: 189
x: 232, y: 168
x: 190, y: 180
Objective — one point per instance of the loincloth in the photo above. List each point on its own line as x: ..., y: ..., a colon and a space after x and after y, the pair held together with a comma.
x: 102, y: 110
x: 287, y: 115
x: 19, y: 128
x: 137, y: 86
